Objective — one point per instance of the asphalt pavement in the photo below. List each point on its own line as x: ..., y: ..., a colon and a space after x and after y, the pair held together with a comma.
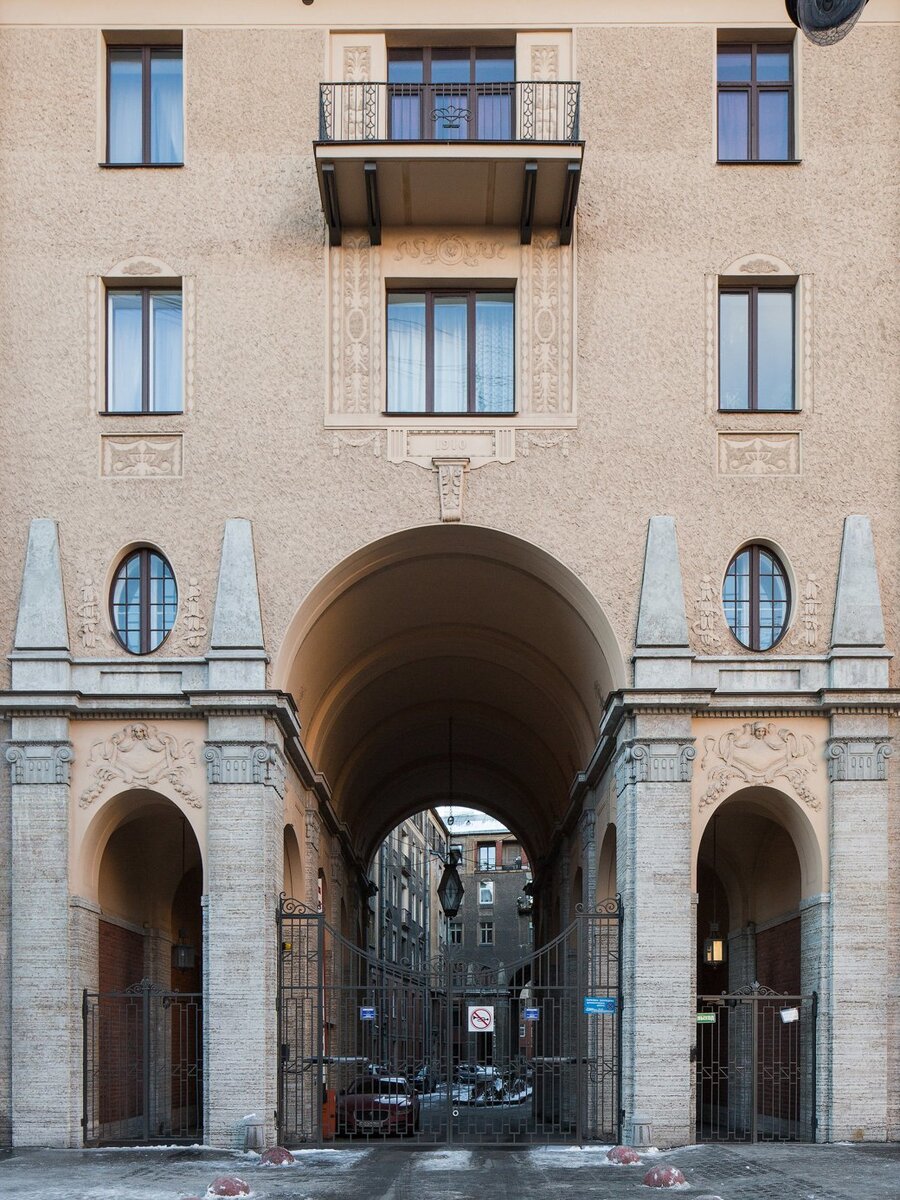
x: 777, y: 1172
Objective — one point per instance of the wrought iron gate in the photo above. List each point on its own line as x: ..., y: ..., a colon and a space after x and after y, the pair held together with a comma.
x: 371, y: 1050
x: 756, y: 1066
x: 142, y: 1066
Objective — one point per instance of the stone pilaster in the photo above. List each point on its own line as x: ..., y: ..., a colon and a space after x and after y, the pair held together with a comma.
x: 45, y: 1024
x: 84, y: 952
x: 856, y: 1000
x: 653, y: 770
x: 245, y: 869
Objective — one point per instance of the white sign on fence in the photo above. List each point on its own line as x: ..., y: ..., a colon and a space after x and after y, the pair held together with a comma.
x: 481, y: 1018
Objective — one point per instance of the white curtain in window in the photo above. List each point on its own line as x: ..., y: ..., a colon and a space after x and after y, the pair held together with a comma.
x: 166, y: 125
x: 166, y: 370
x: 124, y: 363
x: 406, y: 353
x: 494, y: 353
x: 125, y: 107
x: 451, y: 360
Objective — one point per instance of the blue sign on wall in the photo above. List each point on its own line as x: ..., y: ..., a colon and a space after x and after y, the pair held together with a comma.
x: 367, y: 1014
x: 532, y: 1014
x: 599, y: 1004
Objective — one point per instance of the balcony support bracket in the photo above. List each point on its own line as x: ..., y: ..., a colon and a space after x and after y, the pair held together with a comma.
x: 330, y: 204
x: 373, y: 204
x: 529, y: 191
x: 570, y: 199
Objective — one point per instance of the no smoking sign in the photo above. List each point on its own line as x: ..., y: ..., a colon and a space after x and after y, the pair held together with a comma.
x: 481, y: 1018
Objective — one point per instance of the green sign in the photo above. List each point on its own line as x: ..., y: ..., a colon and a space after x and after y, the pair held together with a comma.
x: 706, y: 1018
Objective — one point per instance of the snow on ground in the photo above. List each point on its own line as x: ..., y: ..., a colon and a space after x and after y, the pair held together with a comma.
x: 445, y: 1160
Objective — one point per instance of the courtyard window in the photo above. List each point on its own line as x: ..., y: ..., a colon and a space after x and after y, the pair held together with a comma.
x: 756, y: 598
x: 144, y: 369
x: 756, y: 349
x: 487, y: 856
x: 755, y: 102
x: 444, y: 94
x: 144, y: 601
x: 145, y: 125
x: 450, y: 352
x: 486, y: 933
x: 456, y: 933
x: 486, y: 892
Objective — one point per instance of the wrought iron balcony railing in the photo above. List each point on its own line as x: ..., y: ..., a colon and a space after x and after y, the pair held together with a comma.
x: 529, y: 111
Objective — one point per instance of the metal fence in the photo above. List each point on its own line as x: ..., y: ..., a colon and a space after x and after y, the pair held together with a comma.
x: 525, y: 111
x: 455, y: 1052
x: 142, y: 1066
x: 756, y: 1066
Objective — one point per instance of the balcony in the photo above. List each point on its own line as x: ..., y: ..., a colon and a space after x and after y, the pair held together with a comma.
x: 404, y: 154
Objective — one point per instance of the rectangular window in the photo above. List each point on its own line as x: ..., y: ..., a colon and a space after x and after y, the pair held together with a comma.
x: 450, y: 95
x: 145, y: 122
x: 144, y: 357
x: 512, y: 855
x: 450, y: 352
x: 755, y: 102
x: 456, y: 851
x: 456, y: 933
x: 756, y: 349
x: 486, y: 933
x: 486, y: 892
x: 487, y: 856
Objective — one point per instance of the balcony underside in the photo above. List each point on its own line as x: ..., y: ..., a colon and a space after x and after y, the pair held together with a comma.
x: 389, y: 184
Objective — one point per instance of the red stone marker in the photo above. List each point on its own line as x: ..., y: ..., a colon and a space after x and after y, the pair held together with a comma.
x: 663, y: 1177
x: 276, y: 1156
x: 623, y: 1155
x: 228, y: 1185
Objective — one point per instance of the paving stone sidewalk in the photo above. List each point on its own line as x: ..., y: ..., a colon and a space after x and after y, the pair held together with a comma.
x: 789, y: 1172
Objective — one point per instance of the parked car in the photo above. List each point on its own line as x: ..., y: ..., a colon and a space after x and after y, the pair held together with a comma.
x: 377, y: 1105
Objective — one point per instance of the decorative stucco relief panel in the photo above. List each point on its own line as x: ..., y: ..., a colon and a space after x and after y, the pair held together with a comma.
x: 139, y: 755
x: 141, y: 456
x: 759, y: 454
x: 545, y: 327
x: 356, y: 306
x: 765, y: 753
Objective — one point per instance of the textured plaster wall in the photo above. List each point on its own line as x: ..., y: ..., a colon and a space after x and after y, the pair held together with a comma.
x: 243, y: 219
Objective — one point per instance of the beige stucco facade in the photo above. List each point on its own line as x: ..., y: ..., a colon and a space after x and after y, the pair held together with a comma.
x: 348, y: 577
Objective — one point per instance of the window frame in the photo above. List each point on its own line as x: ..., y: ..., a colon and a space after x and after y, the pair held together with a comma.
x: 754, y: 549
x: 483, y: 928
x: 146, y: 291
x: 753, y: 88
x: 752, y: 290
x: 491, y: 848
x: 144, y: 578
x: 431, y: 293
x: 427, y: 87
x: 454, y: 927
x: 146, y: 51
x: 488, y: 886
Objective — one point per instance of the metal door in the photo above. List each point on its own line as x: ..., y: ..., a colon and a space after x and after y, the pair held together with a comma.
x: 142, y: 1066
x: 756, y: 1066
x: 371, y: 1050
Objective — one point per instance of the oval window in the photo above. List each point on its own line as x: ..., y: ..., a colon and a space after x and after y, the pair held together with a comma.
x: 144, y: 601
x: 756, y: 598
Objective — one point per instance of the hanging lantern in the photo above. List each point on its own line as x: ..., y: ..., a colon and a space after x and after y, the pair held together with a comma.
x: 183, y: 953
x: 714, y: 946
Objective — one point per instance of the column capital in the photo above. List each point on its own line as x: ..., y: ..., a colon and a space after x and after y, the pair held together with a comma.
x: 857, y: 759
x: 654, y: 760
x: 243, y: 763
x: 37, y: 764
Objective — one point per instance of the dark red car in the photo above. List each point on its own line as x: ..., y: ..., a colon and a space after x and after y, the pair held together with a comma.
x: 375, y: 1106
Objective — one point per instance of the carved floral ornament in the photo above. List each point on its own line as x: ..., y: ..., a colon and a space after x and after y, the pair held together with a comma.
x: 140, y: 755
x: 762, y: 753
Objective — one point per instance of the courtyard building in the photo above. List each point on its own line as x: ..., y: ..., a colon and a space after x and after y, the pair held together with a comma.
x: 522, y: 373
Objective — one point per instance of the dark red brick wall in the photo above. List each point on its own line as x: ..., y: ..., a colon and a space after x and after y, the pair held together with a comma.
x: 778, y: 957
x: 121, y: 957
x: 119, y: 1027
